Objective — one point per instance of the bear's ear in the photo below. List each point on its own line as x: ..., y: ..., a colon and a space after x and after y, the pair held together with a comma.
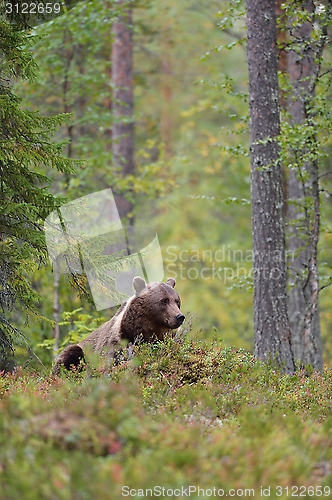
x: 138, y: 284
x: 171, y: 282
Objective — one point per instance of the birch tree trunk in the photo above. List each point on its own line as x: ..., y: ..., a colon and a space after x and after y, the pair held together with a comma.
x: 271, y: 324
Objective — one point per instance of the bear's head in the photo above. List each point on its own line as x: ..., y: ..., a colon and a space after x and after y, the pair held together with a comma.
x: 160, y: 303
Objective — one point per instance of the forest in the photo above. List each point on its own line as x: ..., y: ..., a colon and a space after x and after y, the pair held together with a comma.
x: 204, y: 128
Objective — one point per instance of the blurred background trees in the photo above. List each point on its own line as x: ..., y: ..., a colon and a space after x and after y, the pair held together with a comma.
x: 192, y: 173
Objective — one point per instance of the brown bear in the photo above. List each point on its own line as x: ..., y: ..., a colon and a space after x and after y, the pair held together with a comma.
x: 152, y: 311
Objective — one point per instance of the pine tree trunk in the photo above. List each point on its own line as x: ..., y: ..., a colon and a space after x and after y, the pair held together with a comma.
x: 271, y: 324
x: 283, y: 55
x: 303, y: 296
x: 283, y: 68
x: 123, y: 104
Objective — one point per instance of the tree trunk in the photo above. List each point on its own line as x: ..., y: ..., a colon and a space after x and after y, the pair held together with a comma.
x: 166, y: 94
x: 56, y: 310
x: 283, y: 68
x: 303, y: 182
x: 67, y: 108
x: 271, y: 324
x: 282, y: 56
x: 68, y: 51
x: 123, y: 105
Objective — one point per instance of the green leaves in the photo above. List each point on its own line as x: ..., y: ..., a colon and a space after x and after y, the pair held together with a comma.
x: 25, y: 146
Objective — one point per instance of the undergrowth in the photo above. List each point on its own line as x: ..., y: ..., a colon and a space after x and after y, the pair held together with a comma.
x: 178, y: 413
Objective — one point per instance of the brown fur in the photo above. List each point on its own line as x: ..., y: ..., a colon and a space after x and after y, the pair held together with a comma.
x: 151, y: 312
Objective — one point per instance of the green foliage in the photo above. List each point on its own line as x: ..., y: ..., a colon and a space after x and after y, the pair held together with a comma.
x: 225, y: 380
x: 211, y: 166
x: 180, y: 194
x: 81, y: 325
x: 197, y: 227
x: 180, y: 413
x: 74, y: 54
x: 26, y: 144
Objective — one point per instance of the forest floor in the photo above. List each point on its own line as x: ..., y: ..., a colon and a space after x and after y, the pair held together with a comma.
x: 182, y: 418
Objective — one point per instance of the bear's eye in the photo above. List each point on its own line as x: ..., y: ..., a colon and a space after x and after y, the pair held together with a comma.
x: 178, y: 304
x: 164, y: 302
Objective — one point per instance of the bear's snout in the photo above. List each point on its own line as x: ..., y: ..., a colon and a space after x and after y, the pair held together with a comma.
x: 180, y: 319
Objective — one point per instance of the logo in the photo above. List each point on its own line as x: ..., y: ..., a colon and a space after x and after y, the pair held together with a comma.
x: 86, y: 236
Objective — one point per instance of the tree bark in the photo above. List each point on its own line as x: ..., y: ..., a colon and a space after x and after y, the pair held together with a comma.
x: 302, y: 183
x: 68, y: 52
x: 283, y: 68
x: 56, y: 310
x: 271, y: 324
x: 123, y: 103
x: 166, y: 94
x: 282, y: 55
